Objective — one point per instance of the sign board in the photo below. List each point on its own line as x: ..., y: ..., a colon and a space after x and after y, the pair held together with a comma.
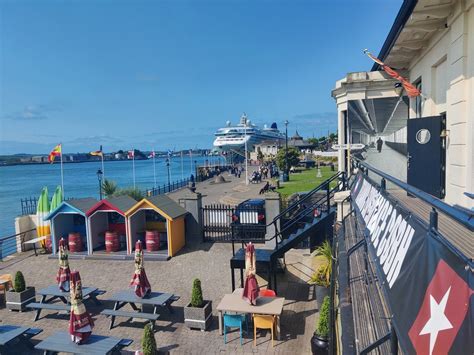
x: 348, y: 146
x: 429, y: 286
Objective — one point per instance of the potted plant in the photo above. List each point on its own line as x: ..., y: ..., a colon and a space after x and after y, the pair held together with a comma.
x: 321, y: 278
x: 319, y: 341
x: 148, y: 341
x: 20, y: 295
x: 198, y: 313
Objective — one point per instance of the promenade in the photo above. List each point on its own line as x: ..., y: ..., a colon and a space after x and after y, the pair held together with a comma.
x: 389, y: 161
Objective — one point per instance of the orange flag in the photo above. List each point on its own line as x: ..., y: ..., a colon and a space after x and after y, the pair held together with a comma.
x: 56, y: 152
x: 411, y: 90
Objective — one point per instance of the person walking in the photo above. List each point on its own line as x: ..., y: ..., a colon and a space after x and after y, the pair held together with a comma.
x: 379, y: 144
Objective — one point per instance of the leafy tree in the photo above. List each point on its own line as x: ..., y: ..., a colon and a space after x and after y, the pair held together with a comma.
x: 148, y: 341
x: 259, y: 155
x: 322, y: 139
x: 19, y: 284
x: 333, y: 137
x: 132, y: 192
x: 322, y: 328
x: 313, y: 141
x: 196, y: 295
x: 109, y: 187
x: 293, y: 158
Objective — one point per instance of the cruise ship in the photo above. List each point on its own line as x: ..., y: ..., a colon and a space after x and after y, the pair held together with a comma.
x: 233, y: 137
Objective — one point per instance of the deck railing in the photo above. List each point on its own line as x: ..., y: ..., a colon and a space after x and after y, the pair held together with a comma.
x: 9, y: 244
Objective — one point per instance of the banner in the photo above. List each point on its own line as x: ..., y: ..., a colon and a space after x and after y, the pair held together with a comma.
x: 429, y: 284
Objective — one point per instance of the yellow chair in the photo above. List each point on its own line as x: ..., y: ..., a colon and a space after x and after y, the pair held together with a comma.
x: 261, y: 321
x: 5, y: 286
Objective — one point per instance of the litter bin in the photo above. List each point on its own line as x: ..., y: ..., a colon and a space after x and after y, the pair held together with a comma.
x: 283, y: 176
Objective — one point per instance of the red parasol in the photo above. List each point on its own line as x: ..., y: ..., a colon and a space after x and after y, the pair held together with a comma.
x: 80, y: 322
x: 139, y: 279
x: 64, y: 273
x: 251, y: 289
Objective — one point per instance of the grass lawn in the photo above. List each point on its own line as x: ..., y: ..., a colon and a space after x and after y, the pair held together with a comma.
x: 306, y: 180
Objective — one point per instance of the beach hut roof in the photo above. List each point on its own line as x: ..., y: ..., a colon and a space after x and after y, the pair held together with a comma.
x: 118, y: 203
x: 79, y: 205
x: 162, y: 204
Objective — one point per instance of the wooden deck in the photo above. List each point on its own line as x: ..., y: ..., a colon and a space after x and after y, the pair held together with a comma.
x: 461, y: 237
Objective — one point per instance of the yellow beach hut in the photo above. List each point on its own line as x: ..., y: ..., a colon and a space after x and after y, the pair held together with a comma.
x: 159, y: 222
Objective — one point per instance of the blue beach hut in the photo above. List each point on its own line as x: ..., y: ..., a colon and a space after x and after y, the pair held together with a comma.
x: 69, y: 221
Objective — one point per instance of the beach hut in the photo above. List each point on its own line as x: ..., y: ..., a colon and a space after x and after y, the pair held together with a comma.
x: 69, y: 221
x: 159, y: 222
x: 108, y: 225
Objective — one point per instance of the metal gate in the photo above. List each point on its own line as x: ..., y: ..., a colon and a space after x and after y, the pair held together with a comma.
x: 220, y: 220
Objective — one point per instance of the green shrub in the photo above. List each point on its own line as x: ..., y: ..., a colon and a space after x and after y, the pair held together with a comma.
x: 196, y: 295
x: 148, y: 341
x: 325, y: 251
x: 130, y: 191
x: 19, y: 284
x: 322, y: 328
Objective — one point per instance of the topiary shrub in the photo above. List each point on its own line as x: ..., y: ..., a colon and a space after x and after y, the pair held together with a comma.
x: 322, y: 328
x: 196, y: 295
x: 19, y: 284
x: 148, y: 341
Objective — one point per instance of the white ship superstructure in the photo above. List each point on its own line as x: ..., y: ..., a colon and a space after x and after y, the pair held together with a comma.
x: 233, y: 137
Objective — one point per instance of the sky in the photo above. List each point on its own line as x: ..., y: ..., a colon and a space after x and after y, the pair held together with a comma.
x: 167, y: 74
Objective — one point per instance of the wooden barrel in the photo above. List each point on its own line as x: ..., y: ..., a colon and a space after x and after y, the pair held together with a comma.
x: 152, y: 240
x: 75, y: 242
x: 112, y: 242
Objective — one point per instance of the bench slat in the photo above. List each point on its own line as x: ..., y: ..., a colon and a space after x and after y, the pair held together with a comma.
x: 117, y: 313
x: 53, y: 306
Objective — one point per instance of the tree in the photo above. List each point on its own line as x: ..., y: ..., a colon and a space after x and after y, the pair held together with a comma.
x: 293, y: 158
x: 259, y: 155
x: 333, y: 137
x: 109, y: 187
x: 148, y: 341
x: 196, y: 294
x: 313, y: 141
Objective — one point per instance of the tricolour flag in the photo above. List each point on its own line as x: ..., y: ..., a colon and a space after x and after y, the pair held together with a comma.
x: 97, y: 152
x: 56, y: 152
x: 411, y: 90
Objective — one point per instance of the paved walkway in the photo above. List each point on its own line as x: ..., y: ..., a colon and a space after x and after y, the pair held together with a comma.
x: 389, y: 161
x: 210, y: 263
x: 232, y: 192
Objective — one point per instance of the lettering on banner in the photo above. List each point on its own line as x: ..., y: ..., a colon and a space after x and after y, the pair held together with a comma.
x: 389, y: 232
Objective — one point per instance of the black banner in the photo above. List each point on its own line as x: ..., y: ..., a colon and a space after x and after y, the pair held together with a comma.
x: 429, y: 284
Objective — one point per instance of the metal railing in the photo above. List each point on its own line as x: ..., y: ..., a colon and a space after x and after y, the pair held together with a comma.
x: 28, y: 205
x: 9, y: 244
x: 165, y: 188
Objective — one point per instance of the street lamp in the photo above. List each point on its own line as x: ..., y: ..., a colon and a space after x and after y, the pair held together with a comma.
x: 169, y: 178
x: 286, y: 177
x: 99, y: 177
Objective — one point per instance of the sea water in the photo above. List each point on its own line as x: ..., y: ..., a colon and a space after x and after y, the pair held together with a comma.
x: 80, y: 180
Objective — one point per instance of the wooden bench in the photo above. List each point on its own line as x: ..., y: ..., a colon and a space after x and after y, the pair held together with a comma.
x: 51, y: 306
x: 152, y: 317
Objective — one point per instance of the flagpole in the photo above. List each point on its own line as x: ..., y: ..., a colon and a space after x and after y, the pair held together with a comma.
x: 182, y: 171
x: 133, y: 165
x: 103, y: 168
x: 154, y: 169
x: 62, y: 172
x: 191, y: 159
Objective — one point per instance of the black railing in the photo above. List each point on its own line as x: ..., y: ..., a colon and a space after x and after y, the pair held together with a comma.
x: 28, y: 205
x: 165, y: 188
x: 9, y: 244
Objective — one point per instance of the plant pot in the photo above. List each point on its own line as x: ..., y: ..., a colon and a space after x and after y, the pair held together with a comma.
x: 198, y: 317
x: 17, y: 301
x: 319, y: 345
x: 321, y: 292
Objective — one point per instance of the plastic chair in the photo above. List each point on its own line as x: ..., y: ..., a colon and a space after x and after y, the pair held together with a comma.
x: 267, y: 293
x: 262, y: 322
x: 234, y: 321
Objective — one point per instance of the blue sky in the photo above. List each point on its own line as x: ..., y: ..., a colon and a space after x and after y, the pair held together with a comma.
x: 167, y: 74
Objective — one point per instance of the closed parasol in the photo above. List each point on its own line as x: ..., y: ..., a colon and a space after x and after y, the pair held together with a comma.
x: 64, y: 273
x: 251, y: 289
x: 80, y: 322
x: 139, y: 279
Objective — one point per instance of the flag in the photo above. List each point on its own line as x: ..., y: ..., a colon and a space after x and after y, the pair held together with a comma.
x: 131, y: 154
x: 170, y: 152
x: 97, y: 152
x: 411, y: 90
x: 152, y: 155
x: 56, y: 152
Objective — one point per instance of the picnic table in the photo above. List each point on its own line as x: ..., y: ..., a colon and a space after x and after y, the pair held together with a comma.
x: 265, y: 305
x: 34, y: 241
x: 9, y: 333
x: 155, y: 299
x: 53, y: 292
x: 95, y: 344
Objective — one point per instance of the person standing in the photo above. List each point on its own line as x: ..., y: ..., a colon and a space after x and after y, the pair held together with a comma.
x: 379, y: 144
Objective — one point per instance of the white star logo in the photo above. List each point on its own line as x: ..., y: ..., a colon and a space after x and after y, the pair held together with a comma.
x: 438, y: 320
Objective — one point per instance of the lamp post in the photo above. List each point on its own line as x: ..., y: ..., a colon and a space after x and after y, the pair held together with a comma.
x: 99, y: 177
x: 286, y: 177
x: 169, y: 177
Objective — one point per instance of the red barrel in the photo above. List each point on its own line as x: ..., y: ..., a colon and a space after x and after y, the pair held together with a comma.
x: 112, y: 242
x: 152, y: 240
x: 75, y: 242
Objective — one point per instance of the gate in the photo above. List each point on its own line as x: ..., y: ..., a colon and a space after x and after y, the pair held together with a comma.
x: 220, y: 221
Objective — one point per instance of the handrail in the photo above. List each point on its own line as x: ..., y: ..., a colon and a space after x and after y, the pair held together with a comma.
x: 462, y: 217
x: 16, y: 235
x: 13, y: 247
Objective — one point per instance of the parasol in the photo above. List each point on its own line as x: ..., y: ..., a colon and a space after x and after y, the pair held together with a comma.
x: 64, y: 273
x: 139, y: 279
x: 80, y: 322
x: 251, y: 289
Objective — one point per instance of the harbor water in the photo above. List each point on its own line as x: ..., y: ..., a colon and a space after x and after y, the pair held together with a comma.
x: 80, y: 180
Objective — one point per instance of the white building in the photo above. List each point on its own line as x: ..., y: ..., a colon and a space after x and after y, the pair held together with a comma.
x: 431, y: 43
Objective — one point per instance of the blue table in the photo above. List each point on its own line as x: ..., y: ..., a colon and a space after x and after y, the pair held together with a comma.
x: 8, y: 333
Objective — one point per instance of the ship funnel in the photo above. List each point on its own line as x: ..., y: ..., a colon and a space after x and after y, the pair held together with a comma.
x: 274, y: 125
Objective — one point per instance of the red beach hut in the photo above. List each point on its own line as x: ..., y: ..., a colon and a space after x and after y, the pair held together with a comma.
x: 108, y: 225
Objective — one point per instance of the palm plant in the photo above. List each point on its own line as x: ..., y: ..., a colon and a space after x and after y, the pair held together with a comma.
x: 324, y: 271
x: 109, y: 187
